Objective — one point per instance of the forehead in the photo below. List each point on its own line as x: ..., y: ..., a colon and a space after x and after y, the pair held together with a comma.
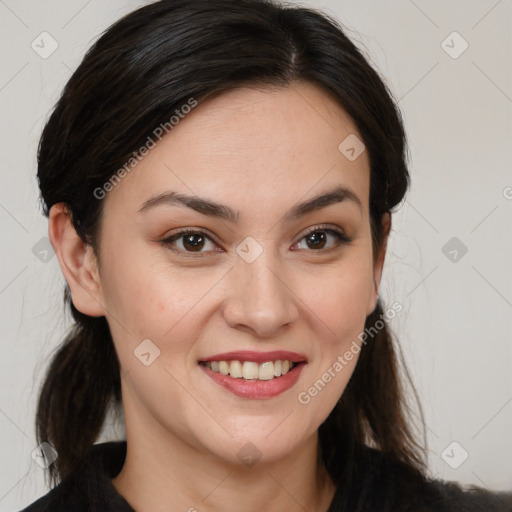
x: 252, y: 147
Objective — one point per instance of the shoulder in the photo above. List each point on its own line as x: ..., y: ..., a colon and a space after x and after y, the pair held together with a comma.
x: 59, y: 498
x: 454, y: 497
x: 388, y: 484
x: 89, y: 488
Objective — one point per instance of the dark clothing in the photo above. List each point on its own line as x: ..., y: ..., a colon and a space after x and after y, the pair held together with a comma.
x: 381, y: 488
x: 89, y: 489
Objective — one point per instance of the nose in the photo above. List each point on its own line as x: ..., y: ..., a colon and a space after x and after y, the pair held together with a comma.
x: 260, y: 300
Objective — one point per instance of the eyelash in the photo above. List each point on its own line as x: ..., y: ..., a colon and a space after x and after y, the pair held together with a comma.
x: 338, y: 234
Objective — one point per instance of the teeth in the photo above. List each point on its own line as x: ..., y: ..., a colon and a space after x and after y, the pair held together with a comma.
x: 250, y: 370
x: 235, y: 369
x: 266, y: 371
x: 223, y: 367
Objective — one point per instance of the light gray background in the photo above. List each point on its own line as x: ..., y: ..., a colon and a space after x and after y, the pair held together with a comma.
x: 456, y: 326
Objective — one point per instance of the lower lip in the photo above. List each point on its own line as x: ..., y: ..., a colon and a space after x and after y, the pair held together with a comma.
x: 256, y: 389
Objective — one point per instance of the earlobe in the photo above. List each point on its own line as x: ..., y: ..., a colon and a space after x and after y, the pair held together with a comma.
x: 77, y: 262
x: 378, y: 264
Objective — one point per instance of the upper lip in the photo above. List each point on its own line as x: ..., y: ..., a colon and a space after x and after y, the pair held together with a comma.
x: 257, y: 357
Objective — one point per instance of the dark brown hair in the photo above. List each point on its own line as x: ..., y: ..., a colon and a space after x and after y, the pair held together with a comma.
x: 142, y: 69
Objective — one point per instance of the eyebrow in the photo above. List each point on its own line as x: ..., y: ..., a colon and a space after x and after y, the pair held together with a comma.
x: 214, y: 209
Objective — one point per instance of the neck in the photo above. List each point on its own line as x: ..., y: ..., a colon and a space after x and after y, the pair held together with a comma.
x: 162, y: 473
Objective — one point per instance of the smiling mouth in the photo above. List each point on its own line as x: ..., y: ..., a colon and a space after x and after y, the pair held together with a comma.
x: 251, y: 370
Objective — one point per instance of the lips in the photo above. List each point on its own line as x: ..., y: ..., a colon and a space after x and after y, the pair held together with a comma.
x: 257, y: 357
x: 251, y: 378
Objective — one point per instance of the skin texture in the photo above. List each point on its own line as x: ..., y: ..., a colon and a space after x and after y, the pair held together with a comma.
x: 258, y: 151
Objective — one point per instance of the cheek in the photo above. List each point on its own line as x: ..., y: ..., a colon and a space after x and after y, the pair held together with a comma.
x: 146, y: 298
x: 136, y: 285
x: 339, y: 305
x: 340, y: 296
x: 338, y: 300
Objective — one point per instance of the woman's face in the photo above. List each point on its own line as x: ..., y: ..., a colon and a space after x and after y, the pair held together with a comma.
x: 257, y: 177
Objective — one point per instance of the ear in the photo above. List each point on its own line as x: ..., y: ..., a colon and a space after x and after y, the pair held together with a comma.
x: 378, y: 263
x: 77, y: 261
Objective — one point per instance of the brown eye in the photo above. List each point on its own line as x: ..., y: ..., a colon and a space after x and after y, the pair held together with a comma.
x: 190, y: 241
x: 193, y: 242
x: 316, y: 240
x: 322, y: 239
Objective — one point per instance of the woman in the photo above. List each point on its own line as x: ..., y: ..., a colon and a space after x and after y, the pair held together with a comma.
x: 219, y: 179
